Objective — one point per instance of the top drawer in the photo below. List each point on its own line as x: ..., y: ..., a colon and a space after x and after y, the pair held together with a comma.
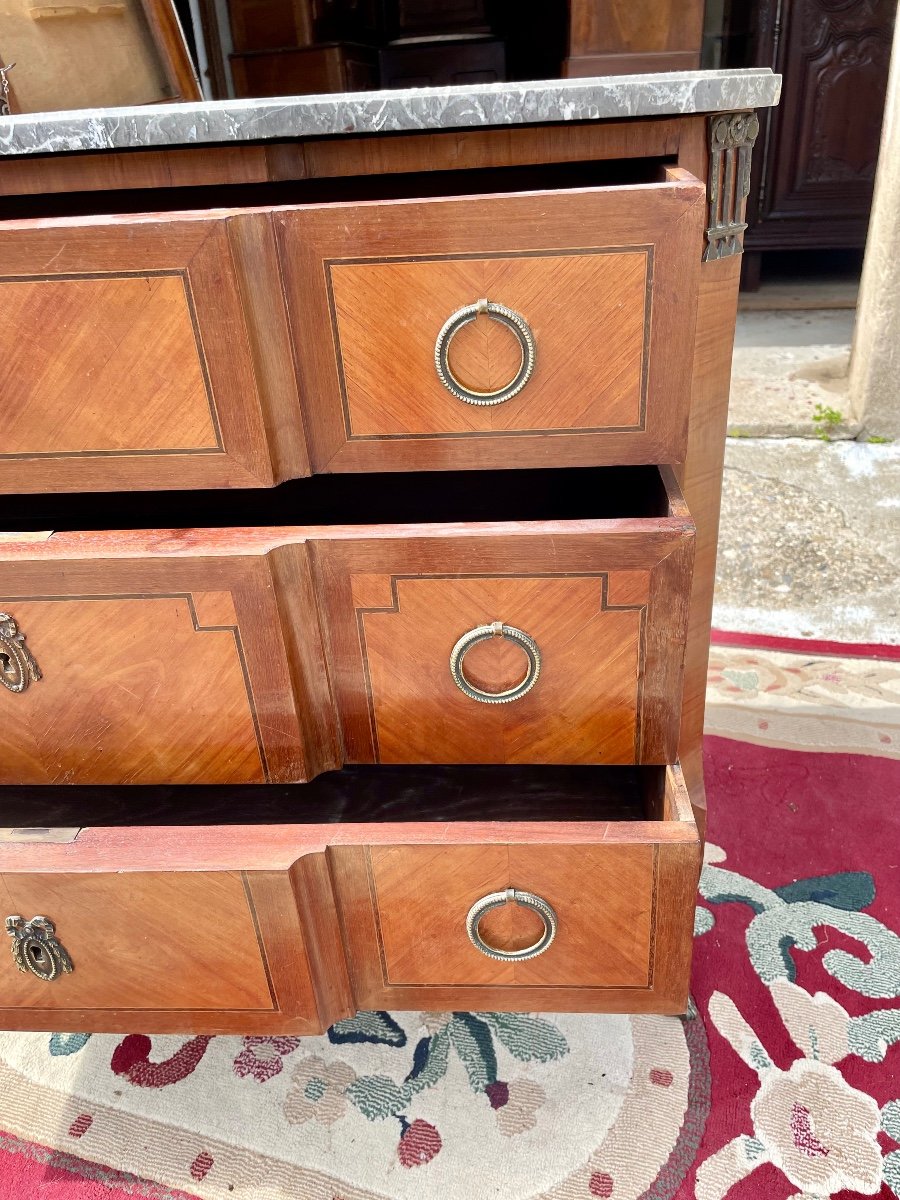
x: 585, y: 331
x: 510, y: 330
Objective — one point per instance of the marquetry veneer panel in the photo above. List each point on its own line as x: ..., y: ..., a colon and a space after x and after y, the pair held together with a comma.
x: 604, y: 277
x: 145, y: 351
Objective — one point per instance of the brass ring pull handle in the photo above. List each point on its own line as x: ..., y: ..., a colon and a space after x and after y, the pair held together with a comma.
x: 17, y: 665
x: 514, y: 896
x: 481, y: 633
x: 37, y: 949
x: 508, y: 317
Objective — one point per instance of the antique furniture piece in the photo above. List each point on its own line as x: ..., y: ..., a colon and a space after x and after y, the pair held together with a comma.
x: 619, y: 37
x: 83, y: 54
x: 814, y: 170
x: 361, y: 463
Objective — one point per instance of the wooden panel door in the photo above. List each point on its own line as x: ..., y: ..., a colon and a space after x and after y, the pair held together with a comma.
x: 604, y: 279
x: 813, y: 185
x: 605, y: 603
x: 621, y: 894
x: 144, y: 352
x: 157, y: 669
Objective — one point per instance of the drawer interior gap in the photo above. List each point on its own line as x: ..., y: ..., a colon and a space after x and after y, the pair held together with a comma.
x: 410, y: 185
x: 582, y: 493
x: 360, y: 794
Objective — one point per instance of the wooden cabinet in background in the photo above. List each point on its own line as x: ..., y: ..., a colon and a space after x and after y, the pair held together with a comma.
x: 623, y: 37
x: 339, y: 67
x: 814, y: 164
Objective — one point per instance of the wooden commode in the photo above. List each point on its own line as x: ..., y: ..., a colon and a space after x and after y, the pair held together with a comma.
x: 361, y: 466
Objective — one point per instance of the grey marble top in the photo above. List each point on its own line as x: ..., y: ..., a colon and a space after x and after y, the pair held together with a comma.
x: 409, y: 110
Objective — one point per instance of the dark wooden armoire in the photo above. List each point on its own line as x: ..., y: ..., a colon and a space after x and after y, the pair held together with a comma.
x: 815, y: 158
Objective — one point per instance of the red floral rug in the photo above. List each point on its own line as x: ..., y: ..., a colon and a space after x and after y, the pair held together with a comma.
x: 785, y: 1083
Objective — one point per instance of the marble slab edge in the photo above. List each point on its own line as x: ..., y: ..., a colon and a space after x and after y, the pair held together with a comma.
x: 411, y: 110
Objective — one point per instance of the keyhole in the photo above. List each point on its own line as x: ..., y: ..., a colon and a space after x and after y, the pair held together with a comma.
x: 6, y: 665
x: 37, y: 955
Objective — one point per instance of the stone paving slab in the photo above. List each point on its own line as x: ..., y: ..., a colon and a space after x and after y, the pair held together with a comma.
x: 809, y: 543
x: 789, y: 375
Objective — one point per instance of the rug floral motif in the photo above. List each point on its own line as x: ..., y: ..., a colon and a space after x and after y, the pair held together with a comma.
x: 386, y: 1105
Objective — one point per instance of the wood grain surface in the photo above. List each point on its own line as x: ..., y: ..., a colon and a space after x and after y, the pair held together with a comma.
x: 165, y: 940
x: 604, y: 276
x: 145, y: 352
x: 314, y: 921
x: 625, y: 921
x: 606, y: 604
x: 234, y: 656
x: 157, y: 670
x: 347, y: 156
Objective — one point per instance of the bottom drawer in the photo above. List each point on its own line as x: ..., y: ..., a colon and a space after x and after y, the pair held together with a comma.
x: 582, y: 916
x: 563, y: 889
x: 94, y: 947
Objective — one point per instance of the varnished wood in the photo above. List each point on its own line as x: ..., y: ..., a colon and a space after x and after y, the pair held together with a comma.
x: 601, y: 894
x: 309, y: 662
x: 207, y: 657
x: 300, y: 939
x: 813, y: 186
x: 168, y: 36
x: 324, y: 158
x: 207, y: 950
x: 393, y: 273
x: 608, y: 679
x: 203, y: 293
x: 292, y: 71
x: 701, y: 473
x: 621, y: 37
x: 167, y: 940
x: 623, y: 920
x: 153, y: 359
x: 155, y: 670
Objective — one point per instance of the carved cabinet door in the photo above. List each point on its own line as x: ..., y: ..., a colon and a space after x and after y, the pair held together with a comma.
x: 813, y: 184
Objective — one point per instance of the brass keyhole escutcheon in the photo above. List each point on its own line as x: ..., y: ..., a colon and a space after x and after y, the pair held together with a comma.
x: 18, y: 668
x: 36, y: 949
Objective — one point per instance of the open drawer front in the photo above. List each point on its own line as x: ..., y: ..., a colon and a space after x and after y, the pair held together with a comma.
x: 238, y: 347
x: 353, y: 892
x: 270, y: 654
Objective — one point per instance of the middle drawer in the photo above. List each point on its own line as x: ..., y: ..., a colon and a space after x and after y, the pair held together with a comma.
x: 242, y: 655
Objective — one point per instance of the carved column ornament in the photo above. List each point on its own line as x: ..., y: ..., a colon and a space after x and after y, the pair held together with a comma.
x: 731, y: 139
